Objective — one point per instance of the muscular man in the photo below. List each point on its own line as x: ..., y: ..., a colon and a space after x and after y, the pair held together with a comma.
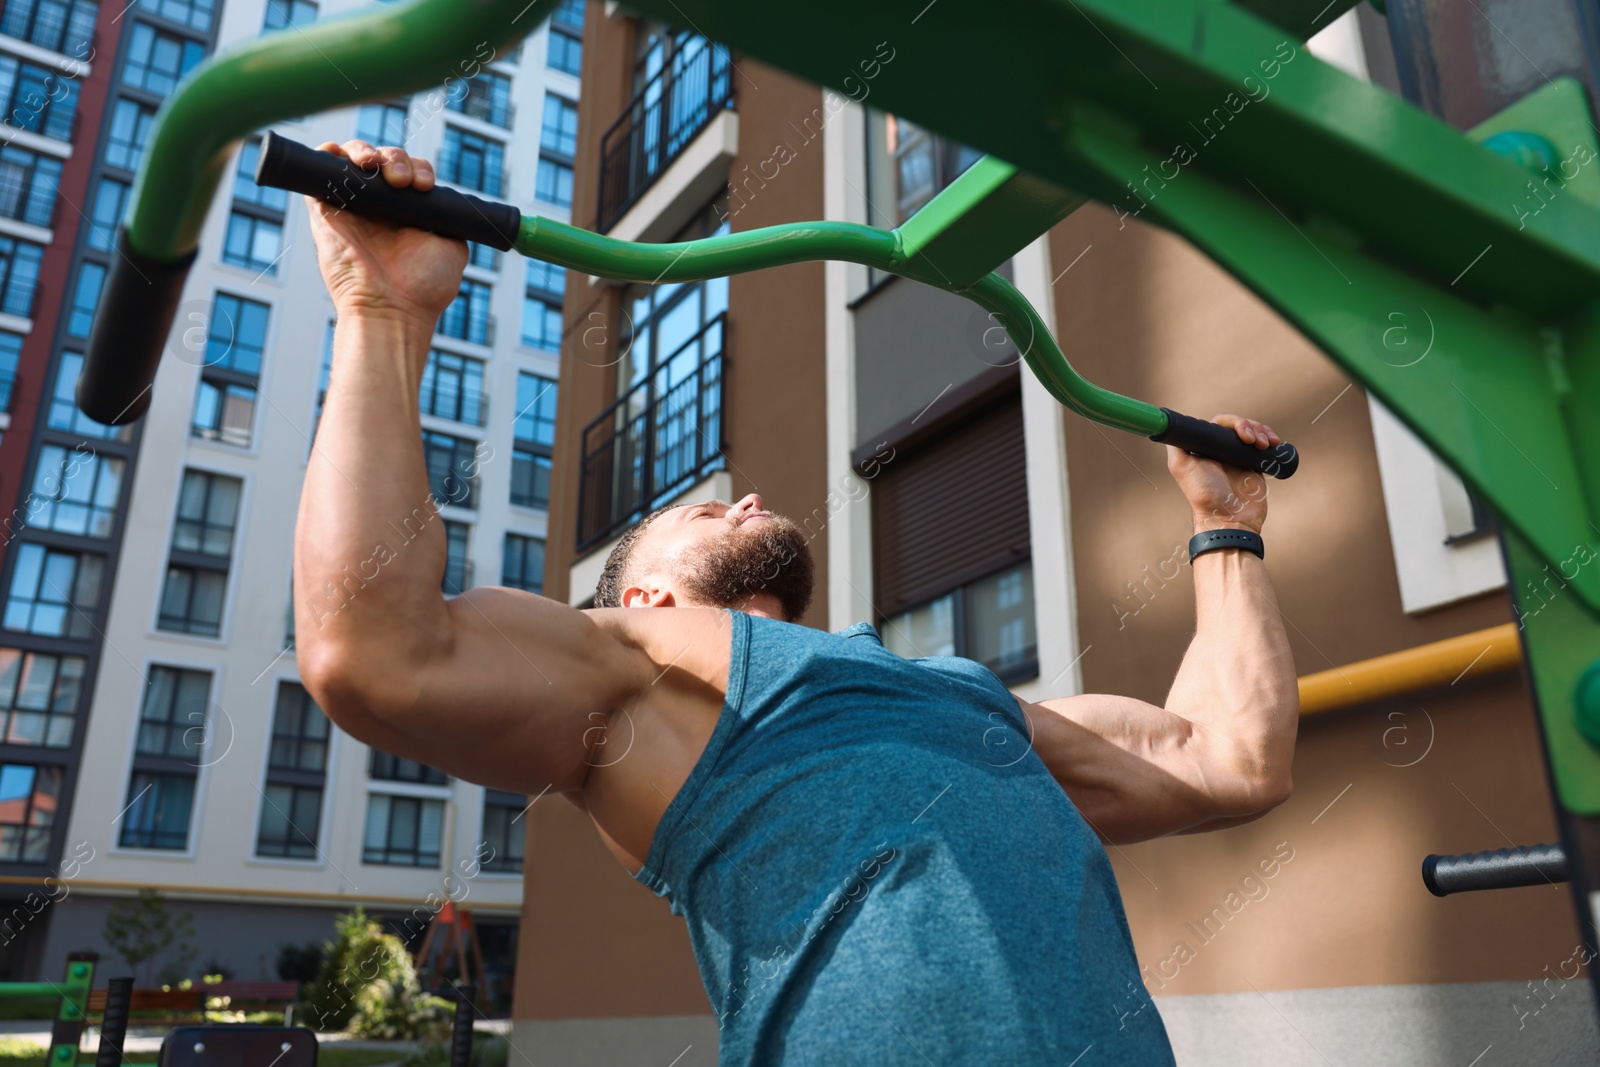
x: 880, y: 860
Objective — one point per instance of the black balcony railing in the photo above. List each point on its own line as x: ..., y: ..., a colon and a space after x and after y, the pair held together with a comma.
x: 657, y: 440
x: 669, y: 112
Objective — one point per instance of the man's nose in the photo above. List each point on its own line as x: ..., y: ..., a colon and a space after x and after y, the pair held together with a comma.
x: 746, y: 504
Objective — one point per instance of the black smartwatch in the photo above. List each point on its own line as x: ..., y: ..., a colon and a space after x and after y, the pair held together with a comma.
x: 1209, y: 540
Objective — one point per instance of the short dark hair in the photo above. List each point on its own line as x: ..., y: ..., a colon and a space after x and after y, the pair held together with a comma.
x: 608, y: 590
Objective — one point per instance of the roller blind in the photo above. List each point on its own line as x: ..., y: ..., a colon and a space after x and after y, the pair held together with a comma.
x: 952, y: 510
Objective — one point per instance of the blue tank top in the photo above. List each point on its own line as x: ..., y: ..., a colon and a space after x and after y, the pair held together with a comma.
x: 876, y: 868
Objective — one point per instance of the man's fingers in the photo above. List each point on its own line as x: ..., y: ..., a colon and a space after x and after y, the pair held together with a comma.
x: 1250, y: 431
x: 422, y: 175
x: 333, y: 147
x: 397, y: 169
x: 362, y: 154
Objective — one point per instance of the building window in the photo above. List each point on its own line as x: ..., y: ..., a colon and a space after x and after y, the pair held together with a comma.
x: 486, y: 97
x: 167, y: 749
x: 244, y: 182
x: 65, y: 26
x: 282, y: 14
x: 53, y: 592
x: 559, y: 134
x: 907, y: 165
x: 37, y: 99
x: 523, y: 565
x: 64, y: 413
x: 28, y: 183
x: 19, y: 275
x: 85, y: 298
x: 158, y: 810
x: 172, y: 721
x: 990, y: 620
x: 472, y: 161
x: 202, y: 545
x: 541, y: 322
x: 10, y: 353
x: 486, y: 257
x: 195, y: 14
x: 552, y: 183
x: 385, y: 767
x: 669, y: 397
x: 253, y: 242
x: 452, y: 387
x: 533, y: 439
x: 225, y: 404
x: 502, y: 813
x: 29, y: 799
x: 297, y: 765
x: 110, y: 198
x: 402, y: 831
x: 566, y: 38
x: 74, y: 491
x: 130, y: 131
x: 457, y: 567
x: 382, y: 124
x: 157, y: 60
x: 39, y: 697
x: 467, y: 318
x: 452, y: 464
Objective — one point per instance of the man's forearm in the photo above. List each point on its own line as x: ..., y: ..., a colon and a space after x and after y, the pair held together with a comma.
x: 1237, y: 681
x: 369, y: 547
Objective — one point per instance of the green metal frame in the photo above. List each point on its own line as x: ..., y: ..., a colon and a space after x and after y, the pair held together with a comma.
x: 1349, y: 211
x: 71, y: 995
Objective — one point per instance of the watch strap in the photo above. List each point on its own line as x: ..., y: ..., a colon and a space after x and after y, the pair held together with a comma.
x: 1210, y: 540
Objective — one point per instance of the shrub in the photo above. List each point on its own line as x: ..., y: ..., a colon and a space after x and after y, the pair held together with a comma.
x: 367, y: 984
x: 145, y: 934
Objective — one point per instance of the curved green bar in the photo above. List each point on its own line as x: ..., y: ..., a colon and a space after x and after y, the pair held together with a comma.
x: 799, y: 242
x: 300, y: 71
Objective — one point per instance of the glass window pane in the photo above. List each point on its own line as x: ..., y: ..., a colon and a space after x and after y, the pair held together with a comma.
x: 1000, y: 619
x: 925, y: 631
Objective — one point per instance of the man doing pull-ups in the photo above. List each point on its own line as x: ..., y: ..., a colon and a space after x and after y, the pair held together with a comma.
x: 880, y: 860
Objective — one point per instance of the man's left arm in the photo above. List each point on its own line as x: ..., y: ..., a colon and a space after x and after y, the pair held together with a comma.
x: 1218, y: 752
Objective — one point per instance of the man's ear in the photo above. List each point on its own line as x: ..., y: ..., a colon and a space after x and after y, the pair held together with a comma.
x: 647, y: 595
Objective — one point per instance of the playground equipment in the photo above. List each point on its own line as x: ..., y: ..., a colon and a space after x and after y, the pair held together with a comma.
x: 1453, y: 275
x: 71, y: 997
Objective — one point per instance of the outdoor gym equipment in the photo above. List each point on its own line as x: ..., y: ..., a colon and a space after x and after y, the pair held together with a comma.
x: 1427, y: 263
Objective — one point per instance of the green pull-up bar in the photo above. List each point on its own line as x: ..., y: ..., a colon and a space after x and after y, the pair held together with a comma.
x: 325, y: 65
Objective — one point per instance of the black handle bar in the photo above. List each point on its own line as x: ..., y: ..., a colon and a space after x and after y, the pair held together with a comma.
x: 1208, y: 439
x: 1504, y: 868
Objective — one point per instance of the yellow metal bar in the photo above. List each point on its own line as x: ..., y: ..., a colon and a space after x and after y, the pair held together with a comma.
x: 1439, y: 663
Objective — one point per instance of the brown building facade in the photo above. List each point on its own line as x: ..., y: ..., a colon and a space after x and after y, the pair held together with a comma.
x: 951, y: 500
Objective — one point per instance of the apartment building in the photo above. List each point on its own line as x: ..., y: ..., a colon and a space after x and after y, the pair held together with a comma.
x: 952, y: 503
x: 156, y: 722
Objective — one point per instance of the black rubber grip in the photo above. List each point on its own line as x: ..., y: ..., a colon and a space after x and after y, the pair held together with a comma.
x: 114, y: 1025
x: 1504, y: 868
x: 461, y: 1026
x: 137, y: 306
x: 1201, y: 438
x: 290, y: 165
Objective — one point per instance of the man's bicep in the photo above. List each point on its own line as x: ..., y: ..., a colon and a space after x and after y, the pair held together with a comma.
x: 522, y: 694
x: 1131, y: 768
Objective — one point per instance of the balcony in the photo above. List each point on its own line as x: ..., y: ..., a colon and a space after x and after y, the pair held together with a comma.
x: 655, y: 441
x: 664, y: 119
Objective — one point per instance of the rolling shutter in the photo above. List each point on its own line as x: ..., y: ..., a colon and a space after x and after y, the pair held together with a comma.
x: 952, y: 510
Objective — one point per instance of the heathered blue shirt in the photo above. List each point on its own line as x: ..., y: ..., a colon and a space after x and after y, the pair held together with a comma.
x: 876, y: 868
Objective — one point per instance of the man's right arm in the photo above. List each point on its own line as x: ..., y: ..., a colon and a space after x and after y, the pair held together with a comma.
x: 498, y: 686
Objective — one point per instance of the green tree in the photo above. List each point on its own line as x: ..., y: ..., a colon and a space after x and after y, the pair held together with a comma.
x: 144, y: 933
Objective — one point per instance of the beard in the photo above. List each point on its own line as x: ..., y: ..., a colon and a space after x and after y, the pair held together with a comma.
x: 769, y: 558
